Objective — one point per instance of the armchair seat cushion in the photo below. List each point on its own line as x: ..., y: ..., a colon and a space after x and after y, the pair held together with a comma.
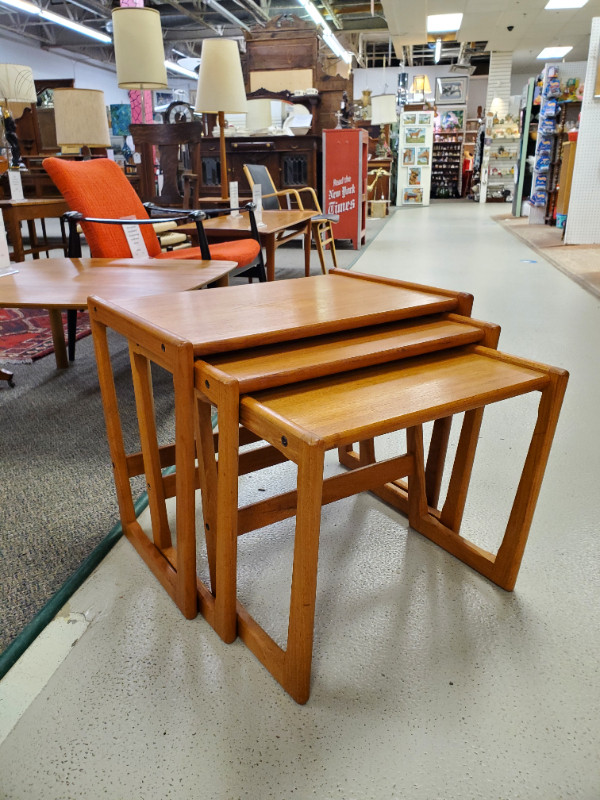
x: 243, y: 251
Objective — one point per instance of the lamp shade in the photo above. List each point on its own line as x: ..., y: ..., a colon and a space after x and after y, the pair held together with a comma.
x: 383, y: 109
x: 16, y: 84
x: 220, y: 80
x: 80, y: 117
x: 420, y: 85
x: 139, y: 49
x: 258, y: 116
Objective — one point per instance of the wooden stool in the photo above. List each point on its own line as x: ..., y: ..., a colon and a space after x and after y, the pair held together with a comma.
x: 301, y: 422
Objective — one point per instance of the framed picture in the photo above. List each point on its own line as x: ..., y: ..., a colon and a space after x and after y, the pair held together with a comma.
x: 423, y: 156
x: 452, y: 119
x: 412, y: 196
x: 425, y: 118
x: 414, y: 135
x: 451, y: 91
x: 409, y: 118
x: 414, y: 176
x: 408, y: 156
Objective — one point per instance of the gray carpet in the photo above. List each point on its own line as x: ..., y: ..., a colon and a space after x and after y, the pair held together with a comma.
x: 57, y: 496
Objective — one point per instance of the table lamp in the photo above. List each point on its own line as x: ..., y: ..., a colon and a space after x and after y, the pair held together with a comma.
x: 139, y: 51
x: 383, y: 113
x: 81, y: 120
x: 221, y: 89
x: 258, y: 116
x: 420, y: 86
x: 16, y: 87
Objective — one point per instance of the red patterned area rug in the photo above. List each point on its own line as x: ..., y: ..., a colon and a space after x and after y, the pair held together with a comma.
x: 25, y: 334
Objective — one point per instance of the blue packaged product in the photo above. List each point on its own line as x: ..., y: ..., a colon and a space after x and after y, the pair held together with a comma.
x: 553, y: 88
x: 550, y: 108
x: 544, y: 144
x: 541, y: 181
x: 542, y: 163
x: 538, y: 199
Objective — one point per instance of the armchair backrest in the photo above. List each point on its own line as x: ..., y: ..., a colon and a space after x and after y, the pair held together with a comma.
x: 258, y: 173
x: 98, y: 188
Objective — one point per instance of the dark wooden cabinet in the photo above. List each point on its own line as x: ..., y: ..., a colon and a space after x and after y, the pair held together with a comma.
x: 291, y: 160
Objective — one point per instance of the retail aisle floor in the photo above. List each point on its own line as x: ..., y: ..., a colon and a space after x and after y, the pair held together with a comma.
x: 428, y: 681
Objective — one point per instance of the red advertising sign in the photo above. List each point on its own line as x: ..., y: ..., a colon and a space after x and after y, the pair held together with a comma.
x: 344, y: 177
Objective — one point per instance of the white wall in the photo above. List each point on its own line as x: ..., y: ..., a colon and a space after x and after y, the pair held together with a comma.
x: 48, y: 64
x: 583, y: 219
x: 385, y: 81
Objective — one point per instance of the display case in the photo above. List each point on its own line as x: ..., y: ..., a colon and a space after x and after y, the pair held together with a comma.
x: 446, y: 169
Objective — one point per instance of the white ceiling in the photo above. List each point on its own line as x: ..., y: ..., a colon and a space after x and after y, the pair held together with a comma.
x: 488, y: 20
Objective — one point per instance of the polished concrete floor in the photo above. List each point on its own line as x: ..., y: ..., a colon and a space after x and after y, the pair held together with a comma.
x: 428, y: 681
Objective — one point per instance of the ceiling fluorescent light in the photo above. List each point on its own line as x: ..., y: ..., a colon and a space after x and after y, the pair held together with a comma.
x: 556, y: 5
x: 554, y: 52
x: 174, y: 67
x: 313, y: 13
x: 443, y: 23
x: 50, y: 16
x: 336, y: 47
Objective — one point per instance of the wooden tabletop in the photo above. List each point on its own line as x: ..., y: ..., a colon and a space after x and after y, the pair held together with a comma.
x: 275, y: 221
x: 261, y: 313
x: 67, y: 283
x: 33, y: 201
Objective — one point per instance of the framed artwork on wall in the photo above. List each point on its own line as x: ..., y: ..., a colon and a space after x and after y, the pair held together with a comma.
x: 423, y: 156
x: 412, y: 196
x: 414, y: 176
x: 425, y: 118
x: 408, y: 156
x: 452, y: 119
x: 451, y: 91
x: 414, y: 135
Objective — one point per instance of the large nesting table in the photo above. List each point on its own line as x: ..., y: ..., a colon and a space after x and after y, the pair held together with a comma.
x: 58, y: 284
x: 246, y: 349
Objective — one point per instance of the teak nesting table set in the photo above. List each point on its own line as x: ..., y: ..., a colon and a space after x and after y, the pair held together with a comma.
x: 305, y: 366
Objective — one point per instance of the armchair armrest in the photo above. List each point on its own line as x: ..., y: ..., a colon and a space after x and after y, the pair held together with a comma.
x: 287, y: 193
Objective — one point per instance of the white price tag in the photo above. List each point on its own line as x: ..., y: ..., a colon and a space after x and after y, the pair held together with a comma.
x: 257, y: 200
x: 4, y: 257
x: 234, y: 198
x: 16, y: 186
x: 135, y: 240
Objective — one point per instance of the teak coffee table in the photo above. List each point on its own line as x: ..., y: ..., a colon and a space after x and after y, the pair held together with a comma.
x: 59, y: 284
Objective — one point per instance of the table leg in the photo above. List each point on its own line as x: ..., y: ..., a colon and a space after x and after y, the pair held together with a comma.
x: 269, y: 240
x: 58, y: 338
x: 307, y: 243
x: 13, y: 227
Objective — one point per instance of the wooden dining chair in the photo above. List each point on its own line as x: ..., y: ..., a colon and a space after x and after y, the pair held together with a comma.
x: 321, y: 225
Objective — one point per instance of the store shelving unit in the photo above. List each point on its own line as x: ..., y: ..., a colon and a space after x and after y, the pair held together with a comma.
x: 566, y: 118
x: 502, y: 162
x: 446, y: 168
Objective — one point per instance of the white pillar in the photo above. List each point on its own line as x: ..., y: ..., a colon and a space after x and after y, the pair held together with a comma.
x: 499, y: 82
x: 583, y: 219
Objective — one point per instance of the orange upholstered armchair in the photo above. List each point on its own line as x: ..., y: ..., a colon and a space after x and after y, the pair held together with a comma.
x: 99, y: 189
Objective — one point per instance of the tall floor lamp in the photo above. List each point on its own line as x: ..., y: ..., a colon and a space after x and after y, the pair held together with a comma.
x: 139, y: 50
x: 221, y: 90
